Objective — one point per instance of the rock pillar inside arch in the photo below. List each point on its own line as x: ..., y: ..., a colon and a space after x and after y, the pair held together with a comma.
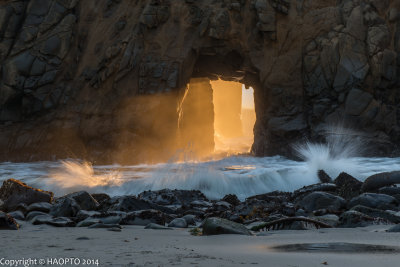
x: 228, y: 108
x: 196, y: 123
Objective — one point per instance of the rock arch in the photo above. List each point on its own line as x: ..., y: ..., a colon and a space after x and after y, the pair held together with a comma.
x: 78, y: 78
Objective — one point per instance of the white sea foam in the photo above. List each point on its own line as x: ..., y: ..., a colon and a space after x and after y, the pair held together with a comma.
x: 241, y: 175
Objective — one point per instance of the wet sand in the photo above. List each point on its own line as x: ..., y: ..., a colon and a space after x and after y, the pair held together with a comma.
x: 135, y: 246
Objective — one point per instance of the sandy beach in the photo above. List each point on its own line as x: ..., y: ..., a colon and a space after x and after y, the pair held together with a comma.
x: 135, y: 246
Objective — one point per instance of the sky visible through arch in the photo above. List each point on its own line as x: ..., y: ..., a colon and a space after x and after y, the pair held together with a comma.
x: 247, y: 98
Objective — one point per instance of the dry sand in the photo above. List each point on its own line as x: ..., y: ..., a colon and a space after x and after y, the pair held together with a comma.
x: 135, y: 246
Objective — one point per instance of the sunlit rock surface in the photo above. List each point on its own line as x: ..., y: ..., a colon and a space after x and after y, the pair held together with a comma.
x: 103, y: 80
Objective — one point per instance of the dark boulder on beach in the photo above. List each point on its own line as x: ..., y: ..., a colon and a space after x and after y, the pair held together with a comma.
x: 112, y: 219
x: 324, y: 177
x: 18, y: 215
x: 347, y: 186
x: 40, y: 206
x: 41, y: 219
x: 88, y: 222
x: 231, y: 199
x: 69, y: 205
x: 218, y: 226
x: 65, y: 207
x: 131, y: 203
x: 7, y: 222
x: 100, y: 198
x: 161, y: 197
x: 322, y: 200
x: 178, y: 223
x: 83, y: 214
x: 274, y: 196
x: 23, y: 207
x: 389, y: 190
x: 144, y: 217
x: 84, y: 200
x: 31, y: 215
x: 394, y: 229
x: 14, y: 192
x: 380, y: 180
x: 326, y: 187
x: 190, y: 219
x: 352, y: 219
x: 376, y: 201
x: 172, y: 197
x: 50, y: 220
x: 377, y: 213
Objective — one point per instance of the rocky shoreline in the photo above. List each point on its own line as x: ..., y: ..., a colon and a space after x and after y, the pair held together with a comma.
x: 343, y: 202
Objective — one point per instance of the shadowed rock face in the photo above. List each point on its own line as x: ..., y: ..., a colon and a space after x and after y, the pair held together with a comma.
x: 103, y: 79
x: 14, y: 192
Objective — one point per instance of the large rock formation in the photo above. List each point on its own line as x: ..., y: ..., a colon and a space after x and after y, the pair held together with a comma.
x: 196, y: 120
x: 99, y: 79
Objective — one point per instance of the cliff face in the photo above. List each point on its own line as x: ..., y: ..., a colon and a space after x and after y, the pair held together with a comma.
x: 103, y: 79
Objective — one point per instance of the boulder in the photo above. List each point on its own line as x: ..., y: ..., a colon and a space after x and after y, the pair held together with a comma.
x: 172, y: 197
x: 7, y: 222
x: 221, y: 206
x: 271, y: 196
x: 127, y: 204
x: 391, y: 191
x: 322, y: 200
x: 88, y: 222
x: 100, y: 198
x: 380, y: 180
x: 376, y: 213
x: 394, y: 229
x: 190, y: 219
x: 327, y: 187
x: 376, y: 201
x: 111, y: 220
x: 231, y: 199
x: 178, y: 223
x: 14, y: 192
x: 324, y: 177
x: 218, y: 226
x: 348, y: 186
x: 301, y: 213
x: 144, y: 217
x: 200, y: 204
x: 330, y: 219
x: 31, y: 215
x: 84, y: 200
x: 22, y: 207
x: 41, y: 219
x: 83, y: 214
x: 65, y: 207
x: 18, y: 215
x: 162, y: 197
x: 40, y: 206
x: 61, y: 222
x: 352, y: 219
